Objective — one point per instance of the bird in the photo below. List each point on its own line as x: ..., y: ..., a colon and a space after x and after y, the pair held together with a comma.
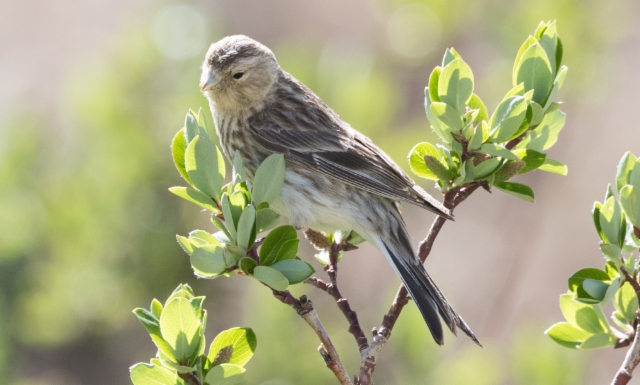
x: 335, y: 177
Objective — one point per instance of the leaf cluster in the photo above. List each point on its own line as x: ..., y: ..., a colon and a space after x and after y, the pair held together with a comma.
x: 491, y: 149
x: 240, y: 210
x: 177, y: 329
x: 617, y: 222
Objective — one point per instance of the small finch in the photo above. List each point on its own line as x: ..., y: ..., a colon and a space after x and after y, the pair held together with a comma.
x: 335, y: 178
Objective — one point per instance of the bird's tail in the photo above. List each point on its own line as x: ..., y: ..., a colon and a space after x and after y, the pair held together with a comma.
x: 423, y: 290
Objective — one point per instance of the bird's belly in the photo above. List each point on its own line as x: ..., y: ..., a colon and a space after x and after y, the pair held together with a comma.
x: 324, y: 204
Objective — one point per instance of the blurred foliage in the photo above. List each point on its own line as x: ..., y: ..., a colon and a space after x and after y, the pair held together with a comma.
x: 87, y: 226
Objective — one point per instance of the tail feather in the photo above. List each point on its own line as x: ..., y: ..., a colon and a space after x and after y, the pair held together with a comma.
x: 427, y: 296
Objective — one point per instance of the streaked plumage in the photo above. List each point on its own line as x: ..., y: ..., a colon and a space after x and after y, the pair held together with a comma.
x: 336, y: 178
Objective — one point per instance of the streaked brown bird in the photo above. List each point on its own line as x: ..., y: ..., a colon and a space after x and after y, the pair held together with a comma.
x: 335, y: 179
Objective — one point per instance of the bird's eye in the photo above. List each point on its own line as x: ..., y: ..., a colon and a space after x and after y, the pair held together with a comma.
x: 238, y: 75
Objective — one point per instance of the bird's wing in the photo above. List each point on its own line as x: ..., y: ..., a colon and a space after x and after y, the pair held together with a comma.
x: 340, y: 153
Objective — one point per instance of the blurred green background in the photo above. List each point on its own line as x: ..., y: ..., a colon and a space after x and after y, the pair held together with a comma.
x: 94, y: 90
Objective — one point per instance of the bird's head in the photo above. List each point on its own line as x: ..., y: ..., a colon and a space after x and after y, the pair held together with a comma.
x: 237, y: 73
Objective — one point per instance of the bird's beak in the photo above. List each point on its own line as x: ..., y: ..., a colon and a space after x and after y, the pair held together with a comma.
x: 209, y: 79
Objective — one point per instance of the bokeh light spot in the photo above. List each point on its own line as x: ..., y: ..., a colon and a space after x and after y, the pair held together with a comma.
x: 414, y: 30
x: 180, y: 32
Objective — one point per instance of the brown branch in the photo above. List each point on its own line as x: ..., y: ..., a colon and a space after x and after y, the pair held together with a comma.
x: 632, y: 282
x: 304, y: 308
x: 632, y: 359
x: 332, y: 289
x: 190, y: 378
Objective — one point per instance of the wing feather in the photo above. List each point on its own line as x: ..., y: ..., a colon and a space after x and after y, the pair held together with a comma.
x: 316, y: 139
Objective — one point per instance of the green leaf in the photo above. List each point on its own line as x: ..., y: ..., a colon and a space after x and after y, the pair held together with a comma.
x: 205, y: 166
x: 532, y: 159
x: 274, y: 241
x: 596, y: 289
x: 557, y: 84
x: 204, y: 237
x: 186, y: 245
x: 243, y: 341
x: 433, y: 84
x: 553, y: 166
x: 612, y: 270
x: 156, y: 308
x: 455, y: 85
x: 517, y: 190
x: 178, y: 148
x: 295, y: 270
x: 515, y: 91
x: 271, y: 277
x: 191, y: 127
x: 220, y: 225
x: 626, y: 302
x: 507, y: 118
x: 599, y: 341
x: 534, y: 70
x: 202, y: 121
x: 537, y: 113
x: 266, y: 219
x: 247, y: 265
x: 288, y: 250
x: 146, y: 374
x: 195, y: 196
x: 181, y: 329
x: 545, y: 135
x: 475, y: 103
x: 625, y: 167
x: 549, y: 42
x: 269, y: 179
x: 634, y: 177
x: 447, y: 115
x: 559, y: 53
x: 238, y: 200
x: 246, y: 227
x: 208, y: 261
x: 567, y: 335
x: 450, y: 54
x: 476, y: 139
x: 577, y: 279
x: 583, y: 316
x: 228, y: 215
x: 438, y: 169
x: 417, y: 163
x: 225, y: 374
x: 612, y: 252
x: 497, y: 150
x: 595, y: 213
x: 613, y: 288
x: 611, y: 221
x: 442, y: 131
x: 152, y: 325
x: 237, y: 166
x: 630, y: 201
x: 540, y: 29
x: 182, y: 291
x: 486, y: 168
x: 527, y: 43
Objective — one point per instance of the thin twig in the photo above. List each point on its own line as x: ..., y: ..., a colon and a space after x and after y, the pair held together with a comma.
x: 332, y: 289
x: 630, y: 361
x: 304, y: 308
